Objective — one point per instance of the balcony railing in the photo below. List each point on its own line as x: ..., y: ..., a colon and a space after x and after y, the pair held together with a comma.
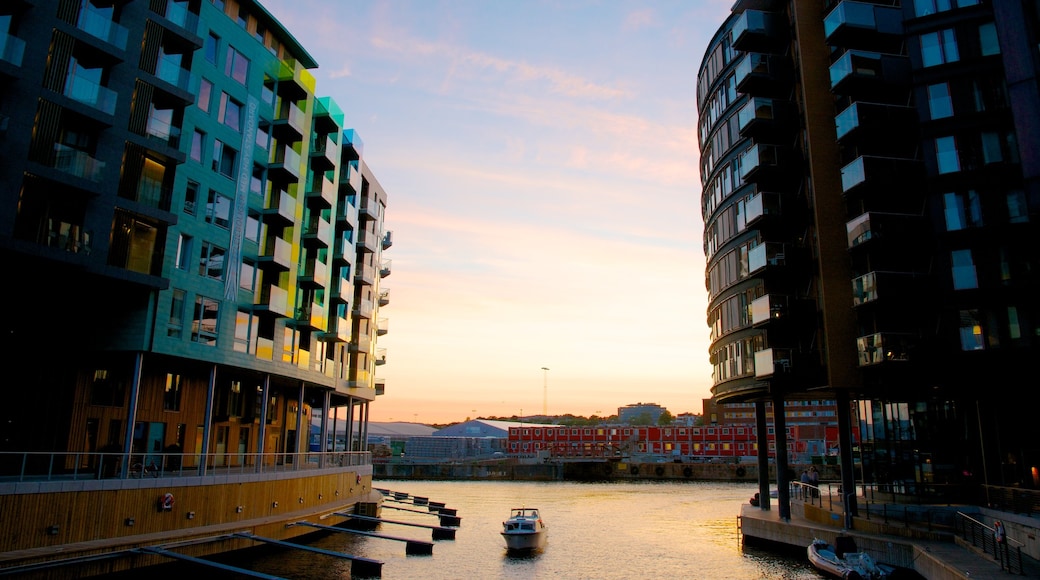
x: 882, y: 347
x: 169, y: 69
x: 12, y: 49
x: 77, y: 163
x: 767, y: 308
x: 18, y: 467
x: 178, y: 13
x: 767, y: 254
x: 91, y: 93
x: 98, y: 24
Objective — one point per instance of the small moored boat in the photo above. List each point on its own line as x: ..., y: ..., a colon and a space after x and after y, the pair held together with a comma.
x: 524, y: 530
x: 845, y: 561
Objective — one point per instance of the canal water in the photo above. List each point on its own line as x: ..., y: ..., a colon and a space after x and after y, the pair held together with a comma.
x: 596, y: 531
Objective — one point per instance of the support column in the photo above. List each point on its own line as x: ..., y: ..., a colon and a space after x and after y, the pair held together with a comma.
x: 783, y: 486
x: 350, y: 424
x: 299, y: 424
x: 207, y: 420
x: 762, y: 429
x: 848, y: 472
x: 131, y: 415
x: 261, y: 435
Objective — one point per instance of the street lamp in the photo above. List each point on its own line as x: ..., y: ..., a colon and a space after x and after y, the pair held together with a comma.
x: 545, y: 391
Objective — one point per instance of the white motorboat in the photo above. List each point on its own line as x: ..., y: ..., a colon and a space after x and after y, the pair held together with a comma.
x: 845, y: 561
x: 525, y: 530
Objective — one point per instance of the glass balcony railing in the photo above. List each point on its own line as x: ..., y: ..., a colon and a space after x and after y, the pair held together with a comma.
x: 163, y: 131
x: 854, y: 14
x: 100, y: 25
x: 856, y: 63
x: 847, y: 120
x: 767, y: 254
x: 169, y: 69
x: 864, y: 289
x: 882, y: 347
x: 78, y: 163
x: 768, y: 307
x: 178, y: 13
x: 86, y: 91
x: 853, y: 174
x: 858, y: 230
x: 12, y: 49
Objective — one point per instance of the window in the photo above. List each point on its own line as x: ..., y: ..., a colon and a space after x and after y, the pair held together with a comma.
x: 107, y: 390
x: 964, y: 276
x: 263, y: 137
x: 963, y: 210
x: 267, y: 91
x: 230, y: 112
x: 929, y: 7
x: 939, y: 47
x: 946, y: 155
x: 1018, y: 207
x: 211, y: 261
x: 212, y: 41
x: 243, y: 17
x: 183, y: 252
x: 247, y: 276
x: 971, y: 330
x: 940, y: 104
x: 245, y: 336
x: 224, y: 158
x: 204, y: 323
x: 172, y: 393
x: 253, y: 226
x: 218, y: 209
x: 988, y: 39
x: 1014, y: 326
x: 205, y: 92
x: 191, y: 194
x: 197, y: 140
x: 256, y: 184
x: 176, y: 323
x: 998, y: 147
x: 236, y: 66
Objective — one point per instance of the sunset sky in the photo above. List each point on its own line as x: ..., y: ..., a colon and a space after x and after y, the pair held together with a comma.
x: 540, y: 163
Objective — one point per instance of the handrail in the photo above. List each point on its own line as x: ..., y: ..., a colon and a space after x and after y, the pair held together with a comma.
x: 67, y: 466
x: 982, y: 536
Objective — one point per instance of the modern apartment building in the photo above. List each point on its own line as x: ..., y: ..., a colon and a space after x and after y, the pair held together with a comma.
x: 870, y: 198
x: 195, y: 248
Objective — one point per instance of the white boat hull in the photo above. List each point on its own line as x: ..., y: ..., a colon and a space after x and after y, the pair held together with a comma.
x: 525, y: 540
x: 850, y: 566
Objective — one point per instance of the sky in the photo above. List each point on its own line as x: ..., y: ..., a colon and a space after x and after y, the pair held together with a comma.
x: 541, y: 169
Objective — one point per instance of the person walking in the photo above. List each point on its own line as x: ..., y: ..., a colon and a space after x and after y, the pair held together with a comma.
x: 804, y: 488
x: 814, y: 480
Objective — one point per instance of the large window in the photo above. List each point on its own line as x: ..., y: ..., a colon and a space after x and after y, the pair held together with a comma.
x: 230, y: 112
x: 939, y: 47
x: 236, y: 66
x: 211, y: 261
x: 940, y: 104
x: 204, y: 322
x: 963, y: 210
x: 964, y: 276
x: 224, y: 158
x: 191, y: 195
x: 946, y: 155
x: 988, y: 39
x: 172, y: 393
x: 929, y: 7
x: 218, y: 209
x: 971, y: 330
x: 205, y: 94
x: 197, y: 140
x: 176, y: 323
x: 183, y: 252
x: 210, y: 49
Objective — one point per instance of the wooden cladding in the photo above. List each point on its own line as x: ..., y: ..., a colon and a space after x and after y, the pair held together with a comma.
x: 58, y: 60
x: 140, y: 107
x: 47, y: 130
x: 153, y: 39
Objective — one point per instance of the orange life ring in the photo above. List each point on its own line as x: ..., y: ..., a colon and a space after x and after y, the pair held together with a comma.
x: 166, y: 502
x: 998, y: 532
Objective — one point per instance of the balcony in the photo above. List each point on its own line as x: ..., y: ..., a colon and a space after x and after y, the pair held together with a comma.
x: 347, y: 213
x: 77, y: 163
x: 290, y: 124
x: 168, y: 69
x: 276, y: 255
x: 769, y: 254
x: 12, y: 50
x: 894, y: 231
x: 883, y: 347
x: 367, y: 241
x: 771, y: 362
x: 382, y: 326
x: 869, y: 74
x: 366, y: 274
x: 164, y: 132
x: 388, y: 239
x: 338, y: 331
x: 364, y: 309
x: 384, y: 297
x: 384, y: 269
x: 876, y: 286
x: 758, y: 31
x: 88, y: 92
x: 854, y: 24
x: 324, y: 153
x: 185, y: 22
x: 350, y: 175
x: 353, y: 147
x: 880, y: 174
x: 760, y: 74
x: 760, y: 206
x: 323, y: 192
x: 762, y: 163
x: 764, y: 118
x: 342, y: 291
x: 369, y: 209
x: 285, y: 165
x: 874, y: 122
x: 380, y: 386
x: 380, y: 356
x: 99, y: 25
x: 769, y: 308
x: 310, y: 316
x: 317, y: 234
x: 280, y: 208
x: 273, y: 300
x: 315, y: 274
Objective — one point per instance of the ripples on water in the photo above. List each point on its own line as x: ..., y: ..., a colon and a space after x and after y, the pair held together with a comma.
x: 596, y: 531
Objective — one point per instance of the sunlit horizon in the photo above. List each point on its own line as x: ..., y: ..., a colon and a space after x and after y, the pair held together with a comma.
x: 540, y: 161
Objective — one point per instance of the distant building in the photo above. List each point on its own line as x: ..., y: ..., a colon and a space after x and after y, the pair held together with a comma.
x: 476, y: 439
x: 630, y: 413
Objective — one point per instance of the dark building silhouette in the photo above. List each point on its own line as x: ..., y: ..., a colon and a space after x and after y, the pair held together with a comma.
x: 871, y: 200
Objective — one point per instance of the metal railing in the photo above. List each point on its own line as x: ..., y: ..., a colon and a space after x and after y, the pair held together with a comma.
x: 60, y: 466
x: 1007, y: 552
